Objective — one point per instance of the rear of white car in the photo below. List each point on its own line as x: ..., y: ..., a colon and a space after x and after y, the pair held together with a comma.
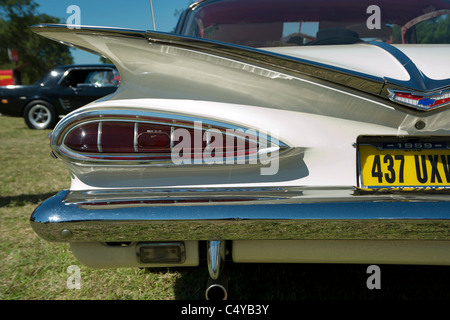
x: 336, y: 153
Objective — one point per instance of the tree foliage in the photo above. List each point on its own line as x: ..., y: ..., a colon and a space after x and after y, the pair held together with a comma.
x: 37, y: 55
x: 435, y: 30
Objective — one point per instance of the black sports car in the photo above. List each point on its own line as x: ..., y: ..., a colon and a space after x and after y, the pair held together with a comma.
x: 61, y: 91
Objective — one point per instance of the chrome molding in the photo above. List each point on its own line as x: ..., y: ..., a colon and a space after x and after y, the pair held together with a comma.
x: 267, y: 213
x: 97, y: 198
x: 99, y: 137
x: 135, y: 137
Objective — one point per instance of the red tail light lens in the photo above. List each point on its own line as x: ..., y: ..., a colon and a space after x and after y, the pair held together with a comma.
x: 83, y: 138
x: 116, y: 137
x: 154, y: 139
x: 119, y: 137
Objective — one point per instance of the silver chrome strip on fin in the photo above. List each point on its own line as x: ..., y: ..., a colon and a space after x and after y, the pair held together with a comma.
x: 273, y: 61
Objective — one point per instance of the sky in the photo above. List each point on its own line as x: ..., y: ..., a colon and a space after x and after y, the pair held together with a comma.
x: 131, y: 14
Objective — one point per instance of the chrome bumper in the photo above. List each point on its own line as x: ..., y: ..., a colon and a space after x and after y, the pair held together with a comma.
x: 242, y: 214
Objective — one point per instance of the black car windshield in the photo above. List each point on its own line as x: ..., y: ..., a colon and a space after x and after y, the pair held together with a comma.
x: 268, y: 23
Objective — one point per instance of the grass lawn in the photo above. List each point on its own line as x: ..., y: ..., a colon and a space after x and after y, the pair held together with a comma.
x: 31, y: 268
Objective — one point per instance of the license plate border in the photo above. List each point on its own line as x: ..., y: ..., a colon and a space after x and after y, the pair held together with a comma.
x: 376, y: 141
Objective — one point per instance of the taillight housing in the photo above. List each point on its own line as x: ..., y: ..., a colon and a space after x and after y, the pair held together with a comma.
x: 118, y: 137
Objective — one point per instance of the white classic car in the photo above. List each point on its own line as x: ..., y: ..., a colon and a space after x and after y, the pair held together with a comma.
x: 262, y: 131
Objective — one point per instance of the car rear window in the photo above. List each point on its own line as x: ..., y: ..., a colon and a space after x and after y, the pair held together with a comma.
x: 264, y: 23
x: 89, y: 77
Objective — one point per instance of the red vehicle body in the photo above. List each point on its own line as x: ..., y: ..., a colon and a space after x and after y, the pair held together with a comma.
x: 6, y: 77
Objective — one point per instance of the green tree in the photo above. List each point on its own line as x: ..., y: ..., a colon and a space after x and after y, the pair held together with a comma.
x: 436, y: 30
x: 37, y: 55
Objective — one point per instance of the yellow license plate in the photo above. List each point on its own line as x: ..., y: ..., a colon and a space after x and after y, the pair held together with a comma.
x: 405, y: 167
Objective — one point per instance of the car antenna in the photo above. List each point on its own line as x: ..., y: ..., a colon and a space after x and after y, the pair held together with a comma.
x: 153, y: 15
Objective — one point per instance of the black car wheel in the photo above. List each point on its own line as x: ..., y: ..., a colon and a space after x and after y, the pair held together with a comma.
x: 40, y: 115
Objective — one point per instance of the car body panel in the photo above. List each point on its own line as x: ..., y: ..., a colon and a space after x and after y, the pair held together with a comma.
x: 298, y: 101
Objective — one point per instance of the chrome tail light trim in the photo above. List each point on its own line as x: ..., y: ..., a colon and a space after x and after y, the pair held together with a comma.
x: 138, y: 116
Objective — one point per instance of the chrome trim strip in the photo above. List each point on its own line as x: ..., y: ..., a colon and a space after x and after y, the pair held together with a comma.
x: 304, y: 214
x: 99, y: 137
x: 172, y: 129
x: 135, y: 136
x: 111, y: 196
